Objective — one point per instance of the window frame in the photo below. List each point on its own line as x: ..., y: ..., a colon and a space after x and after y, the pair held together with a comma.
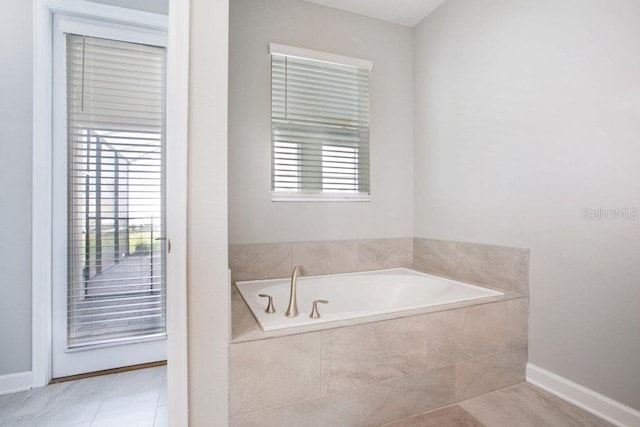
x: 315, y: 195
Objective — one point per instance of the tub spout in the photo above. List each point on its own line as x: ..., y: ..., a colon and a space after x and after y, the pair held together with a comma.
x: 292, y: 310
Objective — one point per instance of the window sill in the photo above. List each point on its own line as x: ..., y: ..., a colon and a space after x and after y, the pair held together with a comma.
x: 288, y: 197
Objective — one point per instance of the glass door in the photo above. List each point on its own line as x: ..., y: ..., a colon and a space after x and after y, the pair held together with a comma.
x: 109, y: 293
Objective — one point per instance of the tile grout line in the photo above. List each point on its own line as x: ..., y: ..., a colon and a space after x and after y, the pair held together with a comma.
x: 390, y: 423
x: 111, y: 386
x: 155, y: 414
x: 96, y: 413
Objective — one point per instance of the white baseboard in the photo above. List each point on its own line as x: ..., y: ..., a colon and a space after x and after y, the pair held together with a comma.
x: 587, y: 399
x: 15, y: 382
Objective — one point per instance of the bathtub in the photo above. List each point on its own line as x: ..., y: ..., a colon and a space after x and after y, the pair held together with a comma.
x: 354, y: 295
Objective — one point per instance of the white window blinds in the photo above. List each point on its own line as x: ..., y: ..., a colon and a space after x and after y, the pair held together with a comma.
x: 320, y: 129
x: 116, y: 123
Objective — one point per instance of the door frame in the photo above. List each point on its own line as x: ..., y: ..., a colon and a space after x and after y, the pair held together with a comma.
x: 67, y: 362
x: 177, y: 25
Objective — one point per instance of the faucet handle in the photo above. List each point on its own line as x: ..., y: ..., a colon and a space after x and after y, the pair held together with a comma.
x: 314, y: 312
x: 270, y: 307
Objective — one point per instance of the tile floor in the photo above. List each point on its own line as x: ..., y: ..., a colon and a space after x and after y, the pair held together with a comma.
x: 520, y: 405
x: 129, y: 399
x: 139, y: 399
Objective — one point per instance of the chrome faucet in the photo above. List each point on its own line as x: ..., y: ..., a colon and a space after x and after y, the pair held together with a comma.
x: 292, y: 310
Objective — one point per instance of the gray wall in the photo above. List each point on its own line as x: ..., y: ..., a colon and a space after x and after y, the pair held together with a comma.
x: 16, y: 53
x: 253, y: 218
x: 525, y: 113
x: 15, y: 186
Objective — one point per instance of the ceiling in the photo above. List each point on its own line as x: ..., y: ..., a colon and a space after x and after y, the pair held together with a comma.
x: 403, y: 12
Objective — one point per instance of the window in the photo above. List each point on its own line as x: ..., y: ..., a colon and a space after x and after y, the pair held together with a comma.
x: 319, y: 126
x: 115, y: 122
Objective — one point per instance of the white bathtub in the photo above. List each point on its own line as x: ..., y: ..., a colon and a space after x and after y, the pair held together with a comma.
x: 354, y: 295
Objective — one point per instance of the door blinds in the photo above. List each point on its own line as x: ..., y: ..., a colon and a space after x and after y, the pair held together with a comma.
x: 116, y: 128
x: 320, y: 129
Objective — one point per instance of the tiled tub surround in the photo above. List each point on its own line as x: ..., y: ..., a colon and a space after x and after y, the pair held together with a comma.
x: 352, y: 373
x: 273, y: 261
x: 484, y: 265
x: 378, y: 372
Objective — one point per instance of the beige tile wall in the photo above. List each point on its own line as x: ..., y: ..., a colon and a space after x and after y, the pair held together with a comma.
x: 457, y: 335
x: 373, y: 352
x: 273, y: 372
x: 487, y: 373
x: 268, y: 261
x: 485, y: 265
x: 403, y: 397
x: 271, y: 261
x: 379, y: 372
x: 338, y: 409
